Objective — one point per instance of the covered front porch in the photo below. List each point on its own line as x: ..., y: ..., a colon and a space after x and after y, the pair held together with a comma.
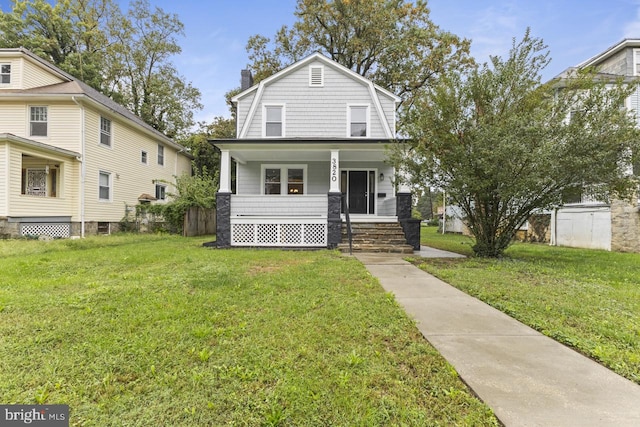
x: 296, y: 193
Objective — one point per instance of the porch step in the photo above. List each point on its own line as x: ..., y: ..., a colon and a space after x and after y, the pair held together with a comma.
x: 376, y: 237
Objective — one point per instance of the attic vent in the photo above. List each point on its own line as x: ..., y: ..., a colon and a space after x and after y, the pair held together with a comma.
x: 316, y: 76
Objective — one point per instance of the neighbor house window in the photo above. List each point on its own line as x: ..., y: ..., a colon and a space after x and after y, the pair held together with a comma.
x: 143, y: 157
x: 105, y: 132
x: 284, y: 179
x: 38, y: 121
x: 35, y: 182
x: 316, y: 76
x: 274, y: 123
x: 104, y: 189
x: 161, y: 191
x: 160, y: 155
x: 5, y: 74
x: 358, y: 120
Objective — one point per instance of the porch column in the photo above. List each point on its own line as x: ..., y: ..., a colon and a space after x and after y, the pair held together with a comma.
x: 223, y: 202
x: 334, y: 222
x: 225, y: 172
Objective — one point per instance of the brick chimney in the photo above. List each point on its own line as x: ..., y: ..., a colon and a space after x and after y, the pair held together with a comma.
x: 246, y: 80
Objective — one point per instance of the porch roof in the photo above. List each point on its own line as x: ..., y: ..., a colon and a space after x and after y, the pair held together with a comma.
x: 38, y: 145
x: 304, y: 149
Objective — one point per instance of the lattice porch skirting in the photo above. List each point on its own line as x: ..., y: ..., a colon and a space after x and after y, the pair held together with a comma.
x: 279, y: 232
x: 44, y: 229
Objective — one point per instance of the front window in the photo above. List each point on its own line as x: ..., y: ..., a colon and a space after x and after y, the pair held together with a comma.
x: 358, y: 121
x: 160, y: 155
x: 104, y: 191
x: 284, y: 179
x: 105, y: 132
x: 272, y: 182
x: 5, y: 74
x: 161, y: 191
x: 273, y: 121
x: 38, y: 121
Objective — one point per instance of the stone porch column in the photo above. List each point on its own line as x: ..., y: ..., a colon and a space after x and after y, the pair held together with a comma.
x: 410, y: 226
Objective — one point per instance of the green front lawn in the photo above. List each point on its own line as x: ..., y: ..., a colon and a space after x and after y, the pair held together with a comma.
x: 157, y: 330
x: 587, y: 299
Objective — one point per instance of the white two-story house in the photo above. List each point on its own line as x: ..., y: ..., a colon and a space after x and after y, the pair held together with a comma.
x: 71, y: 159
x: 311, y: 144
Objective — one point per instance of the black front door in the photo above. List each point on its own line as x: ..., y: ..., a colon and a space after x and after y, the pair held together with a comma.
x: 358, y: 195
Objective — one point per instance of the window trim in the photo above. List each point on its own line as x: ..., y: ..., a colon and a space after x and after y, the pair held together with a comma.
x: 3, y: 64
x: 284, y: 177
x: 46, y: 122
x: 144, y: 157
x: 164, y: 191
x: 283, y: 114
x: 312, y: 82
x: 109, y: 176
x: 110, y: 134
x: 367, y: 118
x: 160, y: 158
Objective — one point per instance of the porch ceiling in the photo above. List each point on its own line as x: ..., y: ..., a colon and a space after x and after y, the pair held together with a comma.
x: 296, y: 152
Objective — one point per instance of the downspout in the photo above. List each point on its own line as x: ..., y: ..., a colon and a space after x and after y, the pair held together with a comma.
x: 83, y: 169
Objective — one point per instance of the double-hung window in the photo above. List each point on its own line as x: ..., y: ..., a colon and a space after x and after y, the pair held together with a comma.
x: 161, y: 191
x: 38, y: 121
x: 358, y: 116
x: 160, y: 155
x: 143, y: 157
x: 105, y: 132
x: 274, y: 121
x: 284, y: 179
x: 5, y: 74
x: 104, y: 186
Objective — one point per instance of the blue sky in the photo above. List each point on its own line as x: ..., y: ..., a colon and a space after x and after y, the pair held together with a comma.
x: 213, y: 49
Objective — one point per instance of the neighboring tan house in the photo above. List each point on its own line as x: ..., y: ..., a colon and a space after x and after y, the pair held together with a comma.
x: 588, y: 223
x: 307, y: 137
x: 71, y: 159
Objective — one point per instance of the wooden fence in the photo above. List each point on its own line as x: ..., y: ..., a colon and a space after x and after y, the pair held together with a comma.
x: 199, y: 222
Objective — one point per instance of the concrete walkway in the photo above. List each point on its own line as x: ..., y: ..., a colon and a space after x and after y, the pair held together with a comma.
x: 525, y: 377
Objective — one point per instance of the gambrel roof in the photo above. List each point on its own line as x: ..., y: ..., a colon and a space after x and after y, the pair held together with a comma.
x: 374, y: 90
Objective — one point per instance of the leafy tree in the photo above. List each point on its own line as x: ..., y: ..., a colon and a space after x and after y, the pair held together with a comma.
x: 503, y: 145
x: 145, y: 77
x: 69, y: 33
x: 126, y: 57
x: 206, y: 157
x: 391, y: 42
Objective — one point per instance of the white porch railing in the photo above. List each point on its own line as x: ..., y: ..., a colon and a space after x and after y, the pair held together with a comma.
x: 295, y: 221
x: 291, y: 206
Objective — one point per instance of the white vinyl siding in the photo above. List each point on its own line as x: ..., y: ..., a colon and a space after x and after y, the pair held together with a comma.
x: 636, y: 62
x: 35, y: 76
x: 105, y: 132
x: 38, y: 121
x: 314, y: 111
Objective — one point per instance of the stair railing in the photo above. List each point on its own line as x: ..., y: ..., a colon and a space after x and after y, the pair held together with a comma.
x: 345, y: 207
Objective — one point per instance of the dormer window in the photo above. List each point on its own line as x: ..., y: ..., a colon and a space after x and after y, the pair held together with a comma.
x: 274, y: 121
x: 5, y: 74
x: 316, y: 76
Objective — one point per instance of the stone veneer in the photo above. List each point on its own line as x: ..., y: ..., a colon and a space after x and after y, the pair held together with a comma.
x: 625, y: 226
x: 223, y: 220
x: 334, y: 222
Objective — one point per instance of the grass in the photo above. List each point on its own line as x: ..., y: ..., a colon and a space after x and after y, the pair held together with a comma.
x: 586, y: 299
x: 157, y: 330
